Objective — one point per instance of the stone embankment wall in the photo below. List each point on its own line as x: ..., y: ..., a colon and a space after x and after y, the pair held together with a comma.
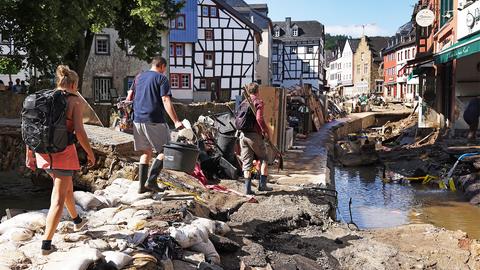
x: 10, y: 104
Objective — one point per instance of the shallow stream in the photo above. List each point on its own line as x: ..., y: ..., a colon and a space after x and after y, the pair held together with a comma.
x: 381, y: 205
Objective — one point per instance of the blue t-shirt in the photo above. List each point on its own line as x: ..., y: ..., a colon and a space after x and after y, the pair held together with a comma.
x: 150, y: 87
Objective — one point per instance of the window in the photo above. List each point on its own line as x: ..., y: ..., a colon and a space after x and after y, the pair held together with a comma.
x: 179, y: 49
x: 102, y: 44
x: 101, y: 89
x: 181, y: 22
x: 310, y: 49
x: 306, y: 67
x: 294, y: 49
x: 413, y: 53
x: 295, y: 32
x: 363, y: 56
x: 180, y: 81
x: 446, y: 11
x: 277, y: 33
x: 209, y: 59
x: 274, y: 50
x: 208, y: 34
x: 185, y: 81
x: 205, y: 11
x: 203, y: 84
x: 173, y: 24
x: 213, y: 12
x: 275, y: 68
x: 174, y: 81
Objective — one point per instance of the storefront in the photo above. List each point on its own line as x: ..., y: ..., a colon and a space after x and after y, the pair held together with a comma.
x: 466, y: 57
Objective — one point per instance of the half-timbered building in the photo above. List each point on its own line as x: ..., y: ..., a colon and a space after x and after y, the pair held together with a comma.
x: 224, y: 55
x: 298, y: 54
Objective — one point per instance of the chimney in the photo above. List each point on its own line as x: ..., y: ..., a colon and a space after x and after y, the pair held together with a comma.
x: 288, y: 22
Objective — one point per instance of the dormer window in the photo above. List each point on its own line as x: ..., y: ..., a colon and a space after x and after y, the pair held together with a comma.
x: 295, y: 32
x: 277, y: 32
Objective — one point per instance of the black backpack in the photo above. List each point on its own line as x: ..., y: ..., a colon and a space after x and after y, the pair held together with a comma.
x: 245, y: 118
x: 44, y: 122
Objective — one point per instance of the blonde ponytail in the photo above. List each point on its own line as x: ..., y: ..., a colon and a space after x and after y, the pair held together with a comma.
x: 66, y: 77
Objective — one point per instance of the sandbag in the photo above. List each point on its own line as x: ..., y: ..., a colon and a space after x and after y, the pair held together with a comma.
x: 133, y: 196
x: 207, y: 248
x: 189, y: 235
x: 212, y: 226
x: 31, y: 220
x: 122, y: 216
x: 119, y: 259
x: 76, y: 259
x: 87, y: 200
x: 17, y: 235
x: 101, y: 217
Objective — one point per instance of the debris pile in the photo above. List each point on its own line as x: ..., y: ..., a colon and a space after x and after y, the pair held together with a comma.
x: 126, y: 230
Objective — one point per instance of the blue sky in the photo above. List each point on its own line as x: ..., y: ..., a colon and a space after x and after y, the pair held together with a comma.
x: 380, y: 17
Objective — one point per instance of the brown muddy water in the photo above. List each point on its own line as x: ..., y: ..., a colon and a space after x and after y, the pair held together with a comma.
x: 19, y: 193
x: 382, y: 205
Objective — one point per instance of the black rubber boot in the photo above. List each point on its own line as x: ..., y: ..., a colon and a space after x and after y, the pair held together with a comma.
x: 262, y: 186
x: 142, y: 177
x: 152, y: 184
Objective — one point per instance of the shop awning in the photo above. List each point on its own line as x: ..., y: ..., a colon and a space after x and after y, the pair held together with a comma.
x: 420, y: 69
x: 461, y: 49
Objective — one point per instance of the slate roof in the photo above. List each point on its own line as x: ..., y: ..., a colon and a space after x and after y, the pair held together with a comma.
x: 377, y: 44
x: 247, y: 11
x: 307, y: 30
x: 354, y: 44
x: 240, y: 16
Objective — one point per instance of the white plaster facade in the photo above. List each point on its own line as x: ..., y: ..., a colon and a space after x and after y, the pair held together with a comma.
x: 406, y: 88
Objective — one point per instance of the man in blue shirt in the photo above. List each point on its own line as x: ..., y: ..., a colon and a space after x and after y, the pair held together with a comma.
x: 152, y: 98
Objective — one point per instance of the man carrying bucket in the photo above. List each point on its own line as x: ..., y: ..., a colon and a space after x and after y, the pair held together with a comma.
x: 151, y: 98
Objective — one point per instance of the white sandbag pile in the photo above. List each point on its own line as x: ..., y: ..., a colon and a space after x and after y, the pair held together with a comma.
x: 195, y: 237
x: 22, y: 227
x: 75, y: 259
x: 119, y: 259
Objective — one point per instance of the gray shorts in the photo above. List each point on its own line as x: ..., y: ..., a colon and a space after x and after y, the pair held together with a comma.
x: 57, y: 172
x: 148, y: 136
x: 251, y: 146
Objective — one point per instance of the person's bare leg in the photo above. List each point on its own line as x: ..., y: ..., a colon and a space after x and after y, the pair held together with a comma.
x: 69, y: 199
x: 146, y: 157
x: 56, y: 206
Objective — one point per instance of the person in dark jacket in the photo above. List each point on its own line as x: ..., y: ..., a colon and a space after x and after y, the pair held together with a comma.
x: 471, y: 115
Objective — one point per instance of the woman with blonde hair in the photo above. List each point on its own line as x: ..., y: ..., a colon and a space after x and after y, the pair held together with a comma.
x: 62, y: 165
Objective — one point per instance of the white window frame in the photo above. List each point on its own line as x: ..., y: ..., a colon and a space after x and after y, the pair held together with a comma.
x: 101, y: 88
x: 182, y: 80
x: 102, y: 37
x: 295, y: 32
x: 175, y: 81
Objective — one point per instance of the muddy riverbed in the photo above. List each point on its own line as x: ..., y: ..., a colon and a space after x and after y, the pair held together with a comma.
x: 379, y: 205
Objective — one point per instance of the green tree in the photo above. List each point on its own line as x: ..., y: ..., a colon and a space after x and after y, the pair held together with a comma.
x: 57, y: 31
x: 332, y: 41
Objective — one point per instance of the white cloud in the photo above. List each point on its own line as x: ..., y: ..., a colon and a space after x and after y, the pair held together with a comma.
x: 356, y: 30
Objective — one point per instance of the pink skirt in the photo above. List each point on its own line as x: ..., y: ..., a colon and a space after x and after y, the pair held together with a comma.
x: 66, y: 160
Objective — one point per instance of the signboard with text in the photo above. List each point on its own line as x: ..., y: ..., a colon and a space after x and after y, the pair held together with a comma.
x: 468, y: 18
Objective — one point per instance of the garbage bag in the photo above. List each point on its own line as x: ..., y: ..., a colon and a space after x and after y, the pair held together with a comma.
x: 207, y: 248
x: 87, y: 200
x: 31, y: 220
x: 119, y: 259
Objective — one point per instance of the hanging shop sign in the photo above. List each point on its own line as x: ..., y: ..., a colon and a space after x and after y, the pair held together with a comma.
x: 468, y: 18
x: 425, y: 17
